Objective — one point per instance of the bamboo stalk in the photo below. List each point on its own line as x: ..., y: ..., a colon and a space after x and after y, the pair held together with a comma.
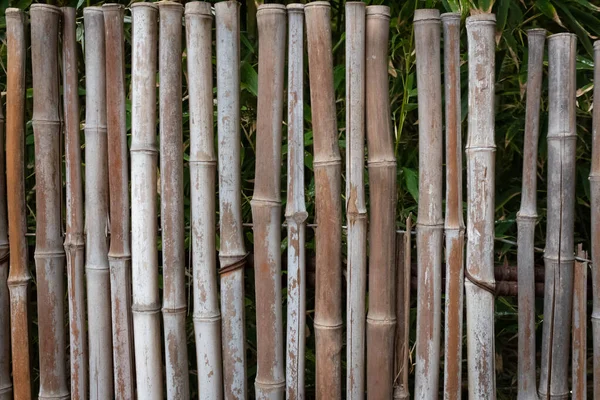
x: 480, y: 151
x: 381, y: 317
x: 558, y: 255
x: 429, y: 221
x: 74, y: 239
x: 579, y: 358
x: 526, y: 218
x: 18, y: 276
x: 595, y: 222
x: 203, y: 164
x: 327, y: 165
x: 49, y: 250
x: 119, y: 253
x: 295, y: 211
x: 356, y: 212
x: 232, y: 254
x: 171, y: 173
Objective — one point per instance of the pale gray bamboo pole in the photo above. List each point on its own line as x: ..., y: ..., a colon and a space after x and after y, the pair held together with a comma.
x: 558, y: 255
x: 480, y: 151
x: 203, y: 164
x: 356, y: 212
x: 232, y: 253
x: 595, y: 217
x: 526, y: 218
x: 144, y: 254
x: 579, y: 333
x: 171, y: 181
x: 49, y: 250
x: 430, y: 221
x: 295, y: 211
x: 454, y: 226
x: 74, y: 239
x: 381, y: 317
x: 119, y: 253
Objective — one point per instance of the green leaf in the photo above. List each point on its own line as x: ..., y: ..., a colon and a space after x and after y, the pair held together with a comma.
x: 548, y: 10
x: 411, y: 178
x: 249, y: 78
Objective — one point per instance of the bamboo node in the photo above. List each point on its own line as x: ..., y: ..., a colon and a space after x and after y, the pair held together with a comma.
x: 381, y: 321
x: 175, y: 310
x: 13, y: 282
x: 562, y: 135
x: 119, y: 257
x: 567, y: 259
x: 45, y: 122
x: 145, y: 309
x: 142, y: 148
x: 199, y: 163
x: 264, y: 202
x: 332, y: 161
x: 48, y: 254
x: 328, y: 327
x: 269, y: 385
x: 477, y: 149
x: 526, y: 217
x: 6, y: 389
x: 239, y: 264
x: 381, y: 163
x: 206, y: 317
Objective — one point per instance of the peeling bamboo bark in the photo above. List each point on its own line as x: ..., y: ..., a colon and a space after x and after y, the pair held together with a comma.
x: 295, y: 211
x: 171, y: 173
x: 232, y: 254
x: 18, y: 276
x: 49, y: 250
x: 526, y: 219
x: 454, y: 226
x: 381, y: 318
x: 579, y: 333
x: 327, y: 166
x: 430, y: 221
x: 74, y: 239
x: 558, y: 255
x: 480, y: 151
x: 356, y: 212
x: 203, y: 164
x: 119, y: 253
x: 144, y: 254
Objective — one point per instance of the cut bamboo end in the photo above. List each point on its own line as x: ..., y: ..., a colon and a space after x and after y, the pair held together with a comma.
x: 317, y: 4
x: 268, y: 8
x: 111, y: 7
x: 536, y: 32
x: 378, y: 12
x: 481, y: 19
x: 200, y: 8
x: 295, y: 8
x: 426, y: 16
x: 38, y: 7
x: 451, y: 18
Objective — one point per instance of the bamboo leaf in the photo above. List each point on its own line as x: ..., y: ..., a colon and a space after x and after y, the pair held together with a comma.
x: 411, y: 178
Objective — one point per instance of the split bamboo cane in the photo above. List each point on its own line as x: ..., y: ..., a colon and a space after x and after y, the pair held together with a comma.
x: 203, y: 164
x: 171, y: 173
x: 119, y: 253
x: 96, y: 209
x: 144, y: 255
x: 454, y: 226
x: 579, y: 333
x: 430, y: 221
x: 526, y: 218
x: 74, y: 239
x: 49, y: 250
x: 266, y: 202
x: 480, y: 152
x: 295, y: 211
x: 381, y: 318
x: 232, y: 254
x: 18, y: 276
x: 558, y: 255
x: 328, y: 167
x: 595, y: 217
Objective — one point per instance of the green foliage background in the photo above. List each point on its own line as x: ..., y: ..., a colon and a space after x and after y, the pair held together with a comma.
x: 514, y: 17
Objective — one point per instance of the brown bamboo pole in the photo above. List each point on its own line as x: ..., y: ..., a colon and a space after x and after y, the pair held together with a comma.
x: 579, y: 333
x: 18, y: 275
x: 49, y: 250
x: 558, y: 255
x: 119, y: 253
x: 144, y: 254
x: 429, y: 221
x: 480, y: 152
x: 328, y: 167
x: 295, y: 211
x: 595, y: 217
x: 232, y: 253
x: 171, y: 172
x: 74, y: 239
x: 381, y: 317
x: 527, y: 216
x: 203, y: 164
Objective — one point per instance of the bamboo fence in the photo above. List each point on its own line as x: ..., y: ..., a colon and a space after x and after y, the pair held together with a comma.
x: 595, y: 222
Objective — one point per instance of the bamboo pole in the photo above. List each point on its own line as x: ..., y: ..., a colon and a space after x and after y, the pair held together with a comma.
x: 232, y: 254
x: 595, y: 222
x: 18, y: 276
x: 203, y: 164
x: 328, y: 167
x: 74, y: 239
x: 119, y: 253
x: 49, y: 250
x: 526, y: 218
x: 480, y: 151
x: 381, y: 317
x: 558, y: 255
x: 295, y: 211
x: 171, y: 173
x: 429, y: 221
x: 144, y: 254
x: 356, y: 213
x: 579, y: 357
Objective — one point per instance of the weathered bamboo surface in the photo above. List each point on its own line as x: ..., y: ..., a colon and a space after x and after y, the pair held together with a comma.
x: 558, y: 255
x: 595, y: 222
x: 579, y: 331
